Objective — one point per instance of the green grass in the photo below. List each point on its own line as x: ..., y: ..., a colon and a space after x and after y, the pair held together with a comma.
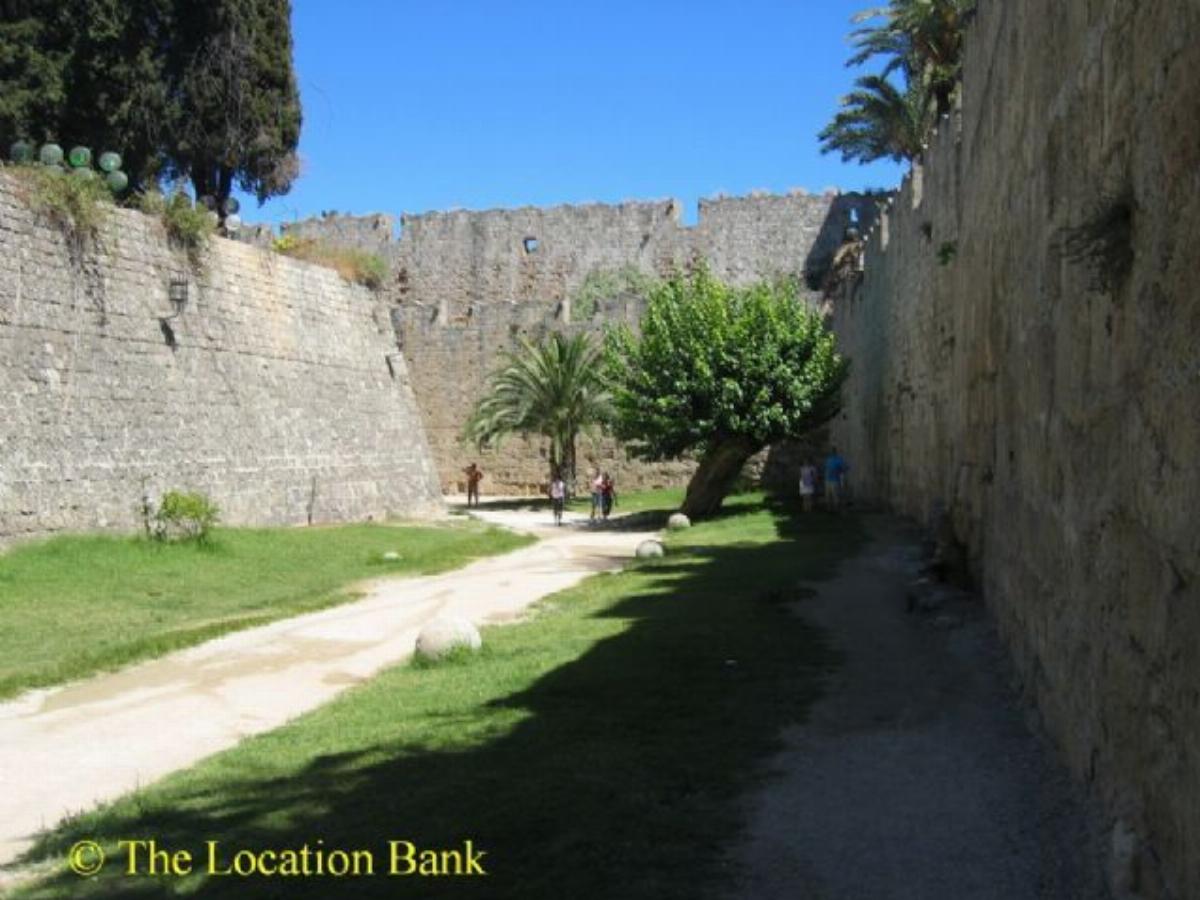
x: 600, y: 750
x: 72, y: 606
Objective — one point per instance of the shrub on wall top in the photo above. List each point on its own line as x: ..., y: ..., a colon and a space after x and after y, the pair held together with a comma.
x: 356, y: 266
x: 78, y: 204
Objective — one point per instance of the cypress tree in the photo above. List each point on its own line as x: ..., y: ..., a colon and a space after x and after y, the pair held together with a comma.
x: 239, y: 104
x: 34, y: 51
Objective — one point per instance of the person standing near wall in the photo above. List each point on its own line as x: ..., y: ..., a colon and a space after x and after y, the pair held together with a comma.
x: 597, y: 493
x: 558, y: 497
x: 474, y: 476
x: 608, y: 495
x: 808, y: 484
x: 835, y: 479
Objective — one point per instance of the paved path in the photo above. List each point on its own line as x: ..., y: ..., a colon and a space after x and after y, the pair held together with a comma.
x: 915, y: 777
x: 63, y: 750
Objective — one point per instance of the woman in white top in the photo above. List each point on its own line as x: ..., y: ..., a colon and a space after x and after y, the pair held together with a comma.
x: 558, y: 497
x: 597, y: 494
x: 808, y: 484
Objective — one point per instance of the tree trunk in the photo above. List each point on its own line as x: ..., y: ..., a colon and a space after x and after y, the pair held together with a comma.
x: 555, y: 462
x: 568, y: 474
x: 943, y: 97
x: 224, y: 188
x: 714, y: 479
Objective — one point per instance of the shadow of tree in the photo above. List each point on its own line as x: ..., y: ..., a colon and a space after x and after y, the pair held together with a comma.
x: 616, y: 770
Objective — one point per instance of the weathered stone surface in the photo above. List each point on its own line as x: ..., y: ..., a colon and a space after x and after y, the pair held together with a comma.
x: 272, y: 391
x: 678, y: 521
x: 650, y: 549
x: 445, y: 634
x: 1024, y: 355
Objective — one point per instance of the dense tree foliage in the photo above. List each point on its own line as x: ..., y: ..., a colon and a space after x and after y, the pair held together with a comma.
x: 920, y: 41
x: 200, y: 90
x: 33, y: 58
x: 723, y: 371
x: 554, y: 389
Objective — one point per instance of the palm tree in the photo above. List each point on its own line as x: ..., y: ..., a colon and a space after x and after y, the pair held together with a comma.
x: 554, y: 389
x: 922, y: 38
x: 879, y: 120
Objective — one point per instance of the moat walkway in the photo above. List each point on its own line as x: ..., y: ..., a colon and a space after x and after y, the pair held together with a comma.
x: 916, y: 776
x: 65, y: 749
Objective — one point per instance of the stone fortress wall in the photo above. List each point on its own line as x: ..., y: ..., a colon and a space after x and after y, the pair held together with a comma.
x: 277, y: 390
x: 466, y: 285
x: 1025, y: 358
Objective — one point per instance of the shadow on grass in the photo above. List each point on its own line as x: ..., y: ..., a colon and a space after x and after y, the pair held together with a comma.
x: 599, y: 751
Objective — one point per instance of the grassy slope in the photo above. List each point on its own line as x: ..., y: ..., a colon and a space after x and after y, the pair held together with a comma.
x: 74, y: 605
x: 596, y: 751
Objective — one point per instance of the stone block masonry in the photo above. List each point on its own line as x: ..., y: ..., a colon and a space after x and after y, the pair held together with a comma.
x: 278, y: 389
x: 1024, y: 358
x: 467, y: 285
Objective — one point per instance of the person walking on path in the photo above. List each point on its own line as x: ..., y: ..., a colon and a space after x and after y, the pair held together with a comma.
x: 808, y: 484
x: 474, y: 476
x: 558, y: 497
x: 835, y: 479
x: 597, y: 491
x: 608, y: 495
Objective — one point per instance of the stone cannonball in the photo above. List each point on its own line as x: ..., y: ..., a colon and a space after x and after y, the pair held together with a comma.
x: 442, y: 635
x: 678, y: 522
x: 650, y: 549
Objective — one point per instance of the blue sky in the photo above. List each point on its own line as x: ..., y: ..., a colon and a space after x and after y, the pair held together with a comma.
x: 418, y: 106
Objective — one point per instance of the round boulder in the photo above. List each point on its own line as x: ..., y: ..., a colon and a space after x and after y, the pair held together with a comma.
x: 442, y: 635
x: 650, y: 549
x: 678, y: 522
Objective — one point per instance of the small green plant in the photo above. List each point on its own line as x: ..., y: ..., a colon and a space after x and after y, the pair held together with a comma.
x: 285, y: 244
x: 605, y: 284
x: 185, y: 516
x: 188, y: 226
x: 356, y: 266
x: 947, y: 252
x: 78, y: 204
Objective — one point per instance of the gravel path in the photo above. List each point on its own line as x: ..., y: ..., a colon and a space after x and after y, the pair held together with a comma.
x: 915, y: 777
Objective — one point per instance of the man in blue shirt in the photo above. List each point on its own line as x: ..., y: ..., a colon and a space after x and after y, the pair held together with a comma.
x: 835, y: 477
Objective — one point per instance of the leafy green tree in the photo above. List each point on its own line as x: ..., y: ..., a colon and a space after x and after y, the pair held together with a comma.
x: 240, y: 116
x: 554, y: 389
x: 724, y: 371
x: 879, y: 121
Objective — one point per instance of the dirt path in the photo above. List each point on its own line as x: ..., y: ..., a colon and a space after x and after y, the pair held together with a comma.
x: 915, y: 777
x: 65, y: 749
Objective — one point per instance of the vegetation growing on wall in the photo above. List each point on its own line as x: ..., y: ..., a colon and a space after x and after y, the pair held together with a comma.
x: 188, y: 226
x: 604, y: 284
x: 77, y: 204
x: 356, y: 266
